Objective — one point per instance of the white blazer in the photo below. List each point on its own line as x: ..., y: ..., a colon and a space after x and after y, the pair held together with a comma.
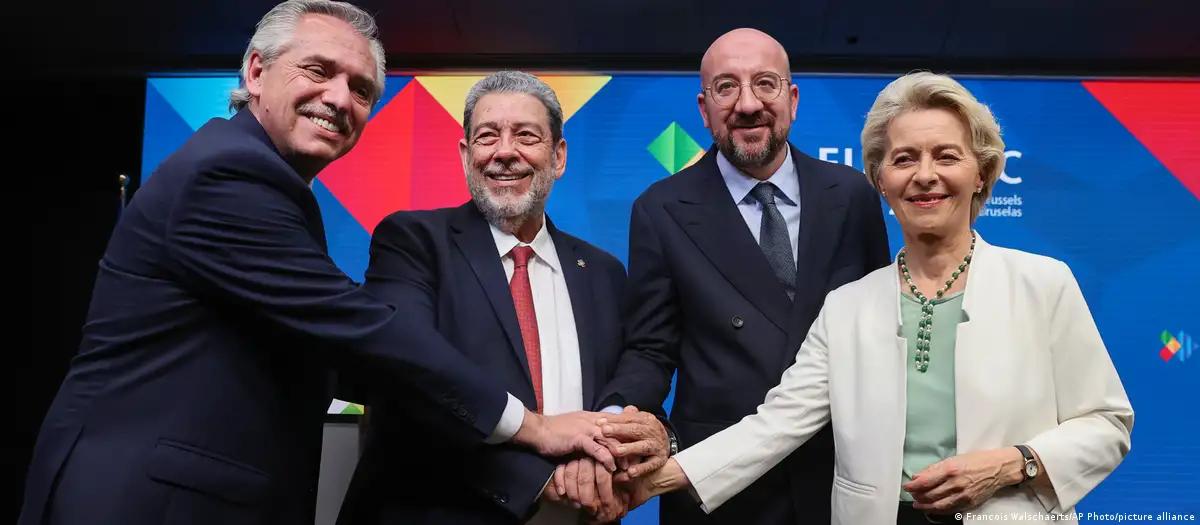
x: 1030, y: 368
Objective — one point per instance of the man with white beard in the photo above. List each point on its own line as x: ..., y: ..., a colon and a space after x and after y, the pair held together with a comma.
x: 538, y: 308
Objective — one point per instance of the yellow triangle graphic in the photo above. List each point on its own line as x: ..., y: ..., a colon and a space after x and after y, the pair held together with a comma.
x: 450, y: 91
x: 574, y: 90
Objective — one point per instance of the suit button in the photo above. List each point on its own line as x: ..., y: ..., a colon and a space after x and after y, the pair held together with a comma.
x: 502, y: 498
x: 737, y: 321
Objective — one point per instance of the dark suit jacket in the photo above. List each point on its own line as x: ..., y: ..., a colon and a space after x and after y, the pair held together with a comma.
x: 706, y: 303
x: 201, y: 383
x: 407, y: 477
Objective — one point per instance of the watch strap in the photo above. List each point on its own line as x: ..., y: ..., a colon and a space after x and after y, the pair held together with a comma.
x: 1029, y: 457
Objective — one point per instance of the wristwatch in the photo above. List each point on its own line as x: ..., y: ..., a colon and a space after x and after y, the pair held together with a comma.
x: 672, y: 441
x: 1030, y: 469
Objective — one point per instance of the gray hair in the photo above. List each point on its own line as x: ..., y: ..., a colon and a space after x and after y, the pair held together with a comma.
x: 516, y: 82
x: 276, y: 29
x: 924, y: 90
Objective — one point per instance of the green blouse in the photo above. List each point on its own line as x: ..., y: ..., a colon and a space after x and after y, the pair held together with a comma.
x: 931, y: 435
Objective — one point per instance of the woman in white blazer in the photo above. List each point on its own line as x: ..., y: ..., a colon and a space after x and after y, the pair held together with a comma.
x: 964, y: 381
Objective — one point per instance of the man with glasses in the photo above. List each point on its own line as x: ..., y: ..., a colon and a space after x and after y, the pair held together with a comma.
x: 729, y: 263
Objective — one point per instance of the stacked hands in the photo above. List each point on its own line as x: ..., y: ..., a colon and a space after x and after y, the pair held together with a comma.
x: 606, y: 458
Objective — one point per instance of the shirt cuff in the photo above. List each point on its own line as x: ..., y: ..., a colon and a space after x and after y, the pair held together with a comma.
x: 613, y: 409
x: 510, y: 422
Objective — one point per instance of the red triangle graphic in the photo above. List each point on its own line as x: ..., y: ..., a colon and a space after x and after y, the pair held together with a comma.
x: 372, y: 181
x: 1164, y: 116
x: 437, y: 174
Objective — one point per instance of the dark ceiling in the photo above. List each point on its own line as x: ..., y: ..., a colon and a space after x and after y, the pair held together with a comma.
x: 1092, y: 37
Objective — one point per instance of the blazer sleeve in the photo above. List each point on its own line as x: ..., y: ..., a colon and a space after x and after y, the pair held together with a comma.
x: 243, y: 244
x: 403, y: 268
x: 1094, y: 413
x: 643, y: 374
x: 723, y: 465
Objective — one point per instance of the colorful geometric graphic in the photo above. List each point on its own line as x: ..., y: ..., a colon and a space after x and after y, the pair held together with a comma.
x: 675, y: 149
x: 1104, y: 176
x: 1171, y: 346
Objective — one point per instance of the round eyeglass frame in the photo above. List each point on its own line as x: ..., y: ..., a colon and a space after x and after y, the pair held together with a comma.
x: 710, y: 93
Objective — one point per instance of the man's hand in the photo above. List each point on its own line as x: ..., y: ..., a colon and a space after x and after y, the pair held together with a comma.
x: 643, y: 441
x: 586, y: 485
x: 560, y: 435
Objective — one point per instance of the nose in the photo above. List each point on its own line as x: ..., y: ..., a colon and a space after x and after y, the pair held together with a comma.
x: 926, y: 174
x: 747, y: 102
x: 506, y: 150
x: 337, y: 95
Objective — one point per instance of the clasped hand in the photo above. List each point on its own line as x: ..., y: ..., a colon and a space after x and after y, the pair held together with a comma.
x: 638, y: 442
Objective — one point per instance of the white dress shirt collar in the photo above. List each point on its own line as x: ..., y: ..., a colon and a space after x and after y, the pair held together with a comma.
x: 543, y: 245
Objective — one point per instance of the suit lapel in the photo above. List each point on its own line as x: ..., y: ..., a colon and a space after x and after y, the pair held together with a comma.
x: 579, y: 286
x: 986, y: 297
x: 711, y: 219
x: 821, y: 218
x: 474, y: 239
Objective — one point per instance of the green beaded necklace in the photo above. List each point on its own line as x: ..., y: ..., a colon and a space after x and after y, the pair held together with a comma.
x: 925, y: 327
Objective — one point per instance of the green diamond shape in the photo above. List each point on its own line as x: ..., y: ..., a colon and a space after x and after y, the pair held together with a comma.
x: 673, y: 148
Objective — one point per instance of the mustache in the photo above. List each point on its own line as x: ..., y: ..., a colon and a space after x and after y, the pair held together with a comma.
x: 493, y: 170
x: 750, y: 121
x: 339, y: 119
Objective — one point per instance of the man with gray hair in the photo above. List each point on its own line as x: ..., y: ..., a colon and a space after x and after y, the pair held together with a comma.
x: 538, y: 308
x: 200, y: 387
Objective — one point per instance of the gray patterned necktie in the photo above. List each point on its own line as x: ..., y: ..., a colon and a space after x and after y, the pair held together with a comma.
x: 773, y: 238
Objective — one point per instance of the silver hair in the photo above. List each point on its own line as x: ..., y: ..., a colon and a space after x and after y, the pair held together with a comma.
x: 924, y: 90
x: 516, y: 82
x: 276, y: 29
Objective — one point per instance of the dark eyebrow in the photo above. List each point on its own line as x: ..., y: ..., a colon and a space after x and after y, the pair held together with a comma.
x: 330, y: 63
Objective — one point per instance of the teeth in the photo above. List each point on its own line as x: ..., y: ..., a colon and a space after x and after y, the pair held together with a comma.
x: 324, y: 124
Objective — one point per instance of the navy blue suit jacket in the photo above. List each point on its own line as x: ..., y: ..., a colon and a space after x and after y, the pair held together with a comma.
x: 200, y: 387
x: 707, y: 304
x: 408, y: 477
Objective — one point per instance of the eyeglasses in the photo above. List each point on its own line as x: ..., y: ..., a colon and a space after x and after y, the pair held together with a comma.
x: 765, y: 86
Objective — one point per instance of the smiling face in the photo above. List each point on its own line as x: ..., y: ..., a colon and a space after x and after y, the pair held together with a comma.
x: 511, y: 160
x: 314, y: 99
x: 929, y: 173
x: 749, y: 131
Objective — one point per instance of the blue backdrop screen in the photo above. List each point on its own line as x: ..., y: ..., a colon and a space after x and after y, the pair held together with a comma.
x: 1102, y: 175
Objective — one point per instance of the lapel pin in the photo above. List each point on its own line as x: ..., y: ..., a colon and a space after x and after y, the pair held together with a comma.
x: 580, y: 263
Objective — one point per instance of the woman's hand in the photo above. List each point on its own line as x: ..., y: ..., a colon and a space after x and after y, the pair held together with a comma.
x: 966, y: 480
x: 641, y: 489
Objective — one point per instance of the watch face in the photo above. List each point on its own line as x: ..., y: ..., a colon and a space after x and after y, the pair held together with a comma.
x: 1031, y: 469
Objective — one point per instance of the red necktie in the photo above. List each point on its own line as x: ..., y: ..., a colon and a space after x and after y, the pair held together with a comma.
x: 522, y: 295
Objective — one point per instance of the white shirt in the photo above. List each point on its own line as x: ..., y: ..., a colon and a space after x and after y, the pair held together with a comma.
x: 562, y: 379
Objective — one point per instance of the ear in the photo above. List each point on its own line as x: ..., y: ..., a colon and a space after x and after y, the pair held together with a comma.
x: 254, y: 74
x: 795, y: 92
x: 464, y: 153
x: 703, y: 113
x: 560, y: 158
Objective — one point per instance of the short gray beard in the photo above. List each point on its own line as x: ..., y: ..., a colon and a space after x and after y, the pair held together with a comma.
x: 510, y: 216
